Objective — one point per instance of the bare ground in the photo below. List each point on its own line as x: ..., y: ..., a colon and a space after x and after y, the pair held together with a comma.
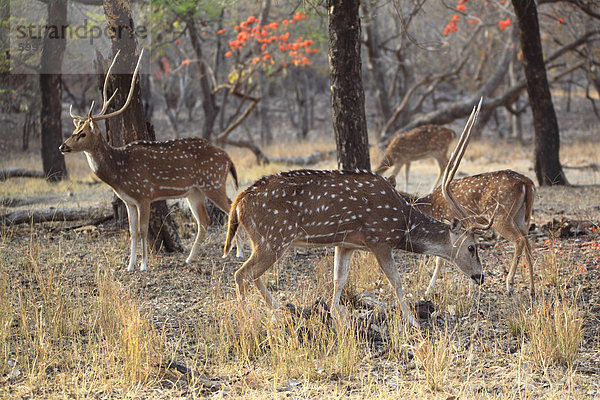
x: 179, y: 299
x: 182, y: 301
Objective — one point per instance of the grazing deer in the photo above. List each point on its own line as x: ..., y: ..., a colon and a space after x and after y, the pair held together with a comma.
x: 419, y: 143
x: 351, y: 210
x: 142, y: 172
x: 507, y: 193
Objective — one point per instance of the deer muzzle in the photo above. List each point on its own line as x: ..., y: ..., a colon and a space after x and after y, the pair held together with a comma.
x: 63, y: 148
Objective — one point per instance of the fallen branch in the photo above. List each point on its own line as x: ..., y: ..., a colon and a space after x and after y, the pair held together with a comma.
x: 261, y: 158
x: 55, y: 214
x: 20, y: 173
x: 592, y: 166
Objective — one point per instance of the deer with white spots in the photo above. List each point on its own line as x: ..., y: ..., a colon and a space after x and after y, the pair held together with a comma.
x: 350, y: 210
x: 507, y: 194
x: 143, y: 171
x: 423, y: 142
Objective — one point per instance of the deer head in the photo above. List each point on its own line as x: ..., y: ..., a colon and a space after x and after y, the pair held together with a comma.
x: 87, y: 134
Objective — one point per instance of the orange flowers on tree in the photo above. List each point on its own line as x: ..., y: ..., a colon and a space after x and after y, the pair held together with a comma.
x: 270, y: 37
x: 504, y: 24
x: 452, y: 25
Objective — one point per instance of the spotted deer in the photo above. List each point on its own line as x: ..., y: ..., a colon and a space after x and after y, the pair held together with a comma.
x: 143, y: 171
x: 506, y: 193
x: 423, y: 142
x: 350, y: 210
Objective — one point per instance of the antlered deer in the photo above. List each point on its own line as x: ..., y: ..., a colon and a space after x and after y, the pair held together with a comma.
x: 142, y: 172
x: 507, y: 193
x: 351, y: 210
x: 419, y: 143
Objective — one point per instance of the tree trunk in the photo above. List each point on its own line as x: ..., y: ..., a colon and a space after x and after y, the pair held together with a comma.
x: 547, y: 141
x: 30, y: 126
x: 147, y: 96
x: 51, y: 91
x: 209, y: 103
x: 514, y: 119
x: 132, y: 125
x: 302, y: 100
x: 347, y: 94
x: 376, y: 65
x: 266, y: 135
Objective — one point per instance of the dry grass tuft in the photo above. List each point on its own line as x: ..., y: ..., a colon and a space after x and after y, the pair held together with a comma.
x: 434, y: 355
x: 553, y: 330
x: 289, y: 347
x: 58, y: 336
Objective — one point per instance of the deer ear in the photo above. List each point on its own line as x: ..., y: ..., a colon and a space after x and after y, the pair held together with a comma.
x: 391, y: 180
x: 455, y: 225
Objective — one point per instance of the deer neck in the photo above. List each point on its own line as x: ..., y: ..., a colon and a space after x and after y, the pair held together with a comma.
x: 105, y: 161
x: 427, y: 235
x: 423, y: 203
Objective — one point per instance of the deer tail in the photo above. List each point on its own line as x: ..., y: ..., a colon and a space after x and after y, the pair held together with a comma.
x: 232, y: 226
x: 529, y: 196
x: 234, y: 175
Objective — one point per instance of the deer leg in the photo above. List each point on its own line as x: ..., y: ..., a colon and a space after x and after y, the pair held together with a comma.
x: 439, y: 265
x: 132, y: 214
x: 144, y: 216
x: 386, y: 263
x: 510, y: 278
x: 198, y: 208
x: 341, y: 262
x: 221, y: 200
x: 251, y: 271
x: 527, y: 250
x: 406, y: 171
x: 442, y: 162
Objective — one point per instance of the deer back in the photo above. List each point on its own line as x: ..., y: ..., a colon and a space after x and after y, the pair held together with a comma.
x: 316, y: 208
x: 420, y: 142
x: 480, y: 195
x: 172, y: 168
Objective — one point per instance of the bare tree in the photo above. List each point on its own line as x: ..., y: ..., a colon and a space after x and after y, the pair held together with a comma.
x: 209, y: 102
x: 376, y: 65
x: 51, y: 90
x: 347, y: 94
x: 547, y: 166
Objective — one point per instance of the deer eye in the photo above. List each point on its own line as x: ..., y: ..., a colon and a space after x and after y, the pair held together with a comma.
x: 471, y: 248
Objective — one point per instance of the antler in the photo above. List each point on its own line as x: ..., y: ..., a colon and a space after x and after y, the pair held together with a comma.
x: 452, y: 167
x: 488, y: 223
x: 105, y: 103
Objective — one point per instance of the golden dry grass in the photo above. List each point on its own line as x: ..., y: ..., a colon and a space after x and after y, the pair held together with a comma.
x: 74, y: 325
